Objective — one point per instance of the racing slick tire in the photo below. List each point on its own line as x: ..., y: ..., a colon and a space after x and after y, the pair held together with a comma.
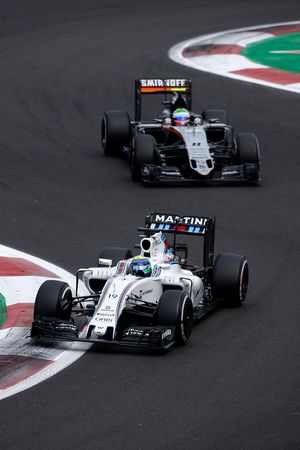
x: 143, y: 149
x: 53, y: 301
x: 247, y: 149
x: 219, y: 114
x: 115, y: 131
x: 230, y: 279
x: 116, y: 254
x: 175, y: 308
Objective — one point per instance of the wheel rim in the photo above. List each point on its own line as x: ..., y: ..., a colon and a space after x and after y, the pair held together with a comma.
x: 244, y: 277
x: 65, y: 304
x: 186, y: 323
x: 104, y: 138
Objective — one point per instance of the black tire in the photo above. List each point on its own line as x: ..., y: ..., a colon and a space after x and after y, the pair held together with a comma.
x: 143, y: 149
x: 115, y: 254
x: 53, y: 301
x: 219, y: 114
x: 247, y: 148
x: 230, y: 279
x: 115, y: 131
x: 175, y: 308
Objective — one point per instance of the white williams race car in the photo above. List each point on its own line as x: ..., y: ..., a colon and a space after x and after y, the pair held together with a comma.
x: 147, y: 301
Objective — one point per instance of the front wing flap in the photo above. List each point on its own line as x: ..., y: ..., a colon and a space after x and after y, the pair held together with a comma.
x: 162, y: 337
x: 54, y: 328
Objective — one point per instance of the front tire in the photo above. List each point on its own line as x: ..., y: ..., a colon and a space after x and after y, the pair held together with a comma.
x: 230, y: 279
x: 53, y: 301
x: 115, y: 131
x: 143, y: 150
x: 175, y: 308
x: 247, y: 149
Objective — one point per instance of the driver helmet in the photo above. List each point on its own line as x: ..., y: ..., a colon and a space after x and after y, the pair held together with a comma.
x: 140, y: 267
x: 181, y: 116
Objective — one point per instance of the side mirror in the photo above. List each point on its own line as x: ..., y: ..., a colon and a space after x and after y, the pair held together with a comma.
x: 104, y: 262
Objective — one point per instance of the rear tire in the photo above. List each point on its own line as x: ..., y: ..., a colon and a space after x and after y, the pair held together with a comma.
x: 116, y: 254
x: 175, y: 308
x: 116, y: 131
x: 230, y: 279
x: 247, y: 149
x: 53, y: 301
x: 143, y: 149
x: 219, y: 114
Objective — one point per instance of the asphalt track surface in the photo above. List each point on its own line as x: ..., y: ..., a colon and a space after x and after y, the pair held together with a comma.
x: 236, y: 384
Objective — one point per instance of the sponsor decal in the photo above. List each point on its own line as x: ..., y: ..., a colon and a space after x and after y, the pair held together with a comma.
x: 66, y: 326
x: 104, y: 319
x: 166, y: 333
x: 186, y: 220
x: 172, y: 82
x: 105, y: 314
x: 136, y: 332
x: 149, y: 291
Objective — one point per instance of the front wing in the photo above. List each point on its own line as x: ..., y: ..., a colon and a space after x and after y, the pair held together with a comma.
x: 137, y: 337
x: 154, y: 174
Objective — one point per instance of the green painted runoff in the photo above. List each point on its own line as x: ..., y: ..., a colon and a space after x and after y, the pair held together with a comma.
x: 3, y: 314
x: 280, y: 52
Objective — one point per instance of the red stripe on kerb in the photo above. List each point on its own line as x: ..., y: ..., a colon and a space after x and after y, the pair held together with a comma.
x: 277, y: 30
x: 18, y: 267
x: 271, y: 75
x: 211, y: 49
x: 19, y: 315
x: 14, y: 369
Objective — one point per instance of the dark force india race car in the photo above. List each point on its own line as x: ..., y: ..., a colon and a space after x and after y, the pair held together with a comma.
x: 178, y: 145
x: 149, y: 301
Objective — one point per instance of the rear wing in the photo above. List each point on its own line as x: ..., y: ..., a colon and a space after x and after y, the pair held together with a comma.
x: 181, y: 86
x: 188, y: 225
